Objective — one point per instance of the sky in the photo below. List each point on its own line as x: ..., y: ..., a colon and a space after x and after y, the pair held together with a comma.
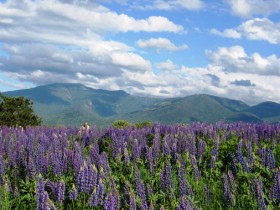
x: 171, y: 48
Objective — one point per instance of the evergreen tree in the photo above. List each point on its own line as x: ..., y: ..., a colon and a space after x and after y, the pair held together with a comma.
x: 17, y: 111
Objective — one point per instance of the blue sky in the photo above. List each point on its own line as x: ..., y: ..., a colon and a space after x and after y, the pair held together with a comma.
x: 170, y: 48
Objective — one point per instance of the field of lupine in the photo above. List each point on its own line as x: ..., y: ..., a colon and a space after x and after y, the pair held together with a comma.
x: 197, y: 166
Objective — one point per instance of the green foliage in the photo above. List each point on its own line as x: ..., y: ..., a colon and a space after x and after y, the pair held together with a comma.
x: 143, y: 124
x: 27, y: 199
x: 121, y: 124
x: 17, y: 111
x: 277, y: 154
x: 5, y: 197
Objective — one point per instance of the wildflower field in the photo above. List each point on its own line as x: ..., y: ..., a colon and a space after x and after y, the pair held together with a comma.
x: 196, y: 166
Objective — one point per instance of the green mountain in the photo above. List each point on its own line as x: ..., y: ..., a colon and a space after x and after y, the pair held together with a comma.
x: 72, y: 104
x: 268, y: 111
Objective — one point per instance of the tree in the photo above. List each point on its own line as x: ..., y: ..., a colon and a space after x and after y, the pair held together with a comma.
x: 17, y: 111
x: 120, y: 124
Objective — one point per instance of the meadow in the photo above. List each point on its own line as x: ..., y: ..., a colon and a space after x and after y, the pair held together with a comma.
x: 194, y: 166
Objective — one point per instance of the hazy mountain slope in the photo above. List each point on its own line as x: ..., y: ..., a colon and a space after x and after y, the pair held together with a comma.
x: 233, y: 105
x: 74, y: 103
x: 268, y: 111
x: 265, y: 109
x: 188, y: 109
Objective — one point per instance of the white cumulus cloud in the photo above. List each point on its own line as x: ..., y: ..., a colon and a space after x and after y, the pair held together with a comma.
x: 249, y: 8
x: 167, y: 65
x: 255, y: 29
x: 160, y: 44
x: 235, y: 59
x: 171, y: 5
x: 229, y: 33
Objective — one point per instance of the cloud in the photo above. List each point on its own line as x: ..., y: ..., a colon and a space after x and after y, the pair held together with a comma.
x: 171, y: 5
x: 235, y: 59
x: 190, y: 4
x: 243, y: 82
x: 46, y: 63
x: 255, y: 29
x: 215, y: 79
x: 261, y: 29
x: 167, y: 65
x: 249, y: 8
x: 59, y: 22
x: 160, y: 44
x: 229, y: 33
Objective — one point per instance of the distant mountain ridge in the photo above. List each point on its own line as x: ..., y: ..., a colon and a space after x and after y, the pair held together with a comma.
x: 72, y: 104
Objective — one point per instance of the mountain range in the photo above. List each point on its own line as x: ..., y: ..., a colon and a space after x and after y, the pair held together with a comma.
x: 72, y: 104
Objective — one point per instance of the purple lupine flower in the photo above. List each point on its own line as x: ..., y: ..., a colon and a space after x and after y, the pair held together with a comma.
x: 140, y: 189
x: 73, y: 194
x: 126, y: 193
x: 91, y: 197
x: 185, y: 204
x: 89, y: 176
x: 167, y: 183
x: 81, y: 179
x: 249, y: 152
x: 150, y: 159
x: 240, y: 145
x: 117, y: 199
x: 192, y: 147
x: 181, y: 161
x: 53, y: 186
x: 261, y: 200
x: 215, y: 151
x: 227, y: 190
x: 2, y: 168
x: 201, y: 148
x: 135, y: 150
x: 132, y: 201
x: 45, y: 205
x: 276, y: 187
x: 93, y: 176
x: 242, y: 161
x: 232, y: 164
x: 109, y: 203
x: 94, y: 155
x: 43, y: 201
x: 253, y: 187
x: 270, y: 159
x: 116, y: 145
x: 231, y: 180
x: 156, y: 144
x: 126, y: 156
x: 31, y: 167
x: 40, y: 193
x: 263, y: 156
x: 182, y: 181
x: 213, y: 161
x: 102, y: 174
x: 166, y: 148
x: 104, y: 163
x: 174, y: 151
x: 96, y: 193
x: 60, y: 191
x: 195, y: 167
x: 101, y: 191
x: 149, y: 190
x: 39, y: 158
